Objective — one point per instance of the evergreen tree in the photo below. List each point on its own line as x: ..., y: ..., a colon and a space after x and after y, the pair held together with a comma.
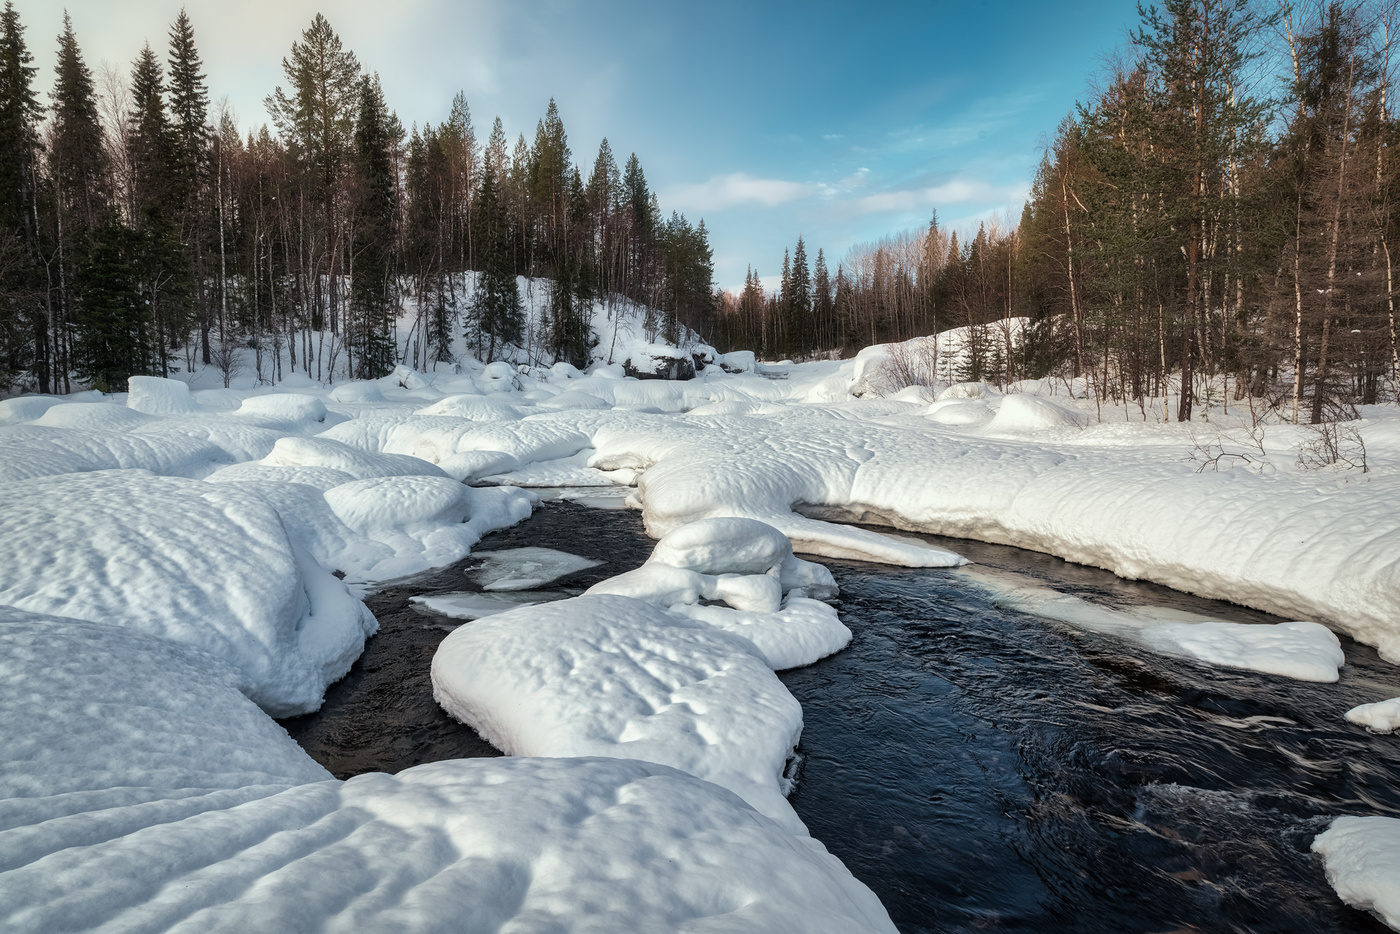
x: 798, y: 302
x: 189, y: 114
x: 822, y: 308
x: 496, y: 304
x: 111, y: 335
x: 317, y: 119
x: 371, y: 288
x: 77, y: 157
x: 24, y: 327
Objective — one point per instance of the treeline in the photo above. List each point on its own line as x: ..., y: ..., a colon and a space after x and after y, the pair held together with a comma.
x: 1221, y: 213
x: 142, y: 230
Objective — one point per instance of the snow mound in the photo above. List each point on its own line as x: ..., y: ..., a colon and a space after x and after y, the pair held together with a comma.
x: 664, y: 585
x: 25, y: 408
x: 476, y: 408
x: 571, y: 400
x: 611, y: 676
x: 957, y: 411
x: 357, y: 392
x: 526, y: 568
x: 94, y: 416
x: 399, y: 502
x: 323, y: 452
x: 1380, y: 717
x: 1020, y: 412
x: 723, y: 546
x: 156, y: 396
x: 800, y: 633
x: 1362, y: 856
x: 182, y: 560
x: 31, y: 451
x: 290, y: 409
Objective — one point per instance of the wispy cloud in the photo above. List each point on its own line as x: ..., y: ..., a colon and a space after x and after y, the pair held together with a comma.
x: 736, y: 188
x: 955, y: 192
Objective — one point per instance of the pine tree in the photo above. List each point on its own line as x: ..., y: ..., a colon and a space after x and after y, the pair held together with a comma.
x: 317, y: 120
x: 24, y: 327
x: 496, y: 304
x: 798, y: 302
x: 111, y: 335
x: 374, y: 262
x: 822, y: 308
x: 77, y: 158
x: 189, y: 114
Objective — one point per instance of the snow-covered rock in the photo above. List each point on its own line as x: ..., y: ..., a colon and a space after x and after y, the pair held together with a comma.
x: 1362, y: 856
x: 613, y: 676
x: 1379, y: 717
x: 156, y: 396
x: 182, y: 560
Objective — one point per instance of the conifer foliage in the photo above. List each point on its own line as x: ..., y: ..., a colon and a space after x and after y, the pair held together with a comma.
x: 334, y: 240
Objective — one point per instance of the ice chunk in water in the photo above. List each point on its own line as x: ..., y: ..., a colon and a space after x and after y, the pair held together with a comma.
x: 474, y: 605
x: 526, y: 568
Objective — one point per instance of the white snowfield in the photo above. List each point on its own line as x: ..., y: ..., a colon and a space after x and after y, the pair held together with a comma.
x: 210, y: 521
x: 143, y: 792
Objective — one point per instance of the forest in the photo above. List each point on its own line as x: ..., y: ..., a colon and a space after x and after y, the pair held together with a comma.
x: 1219, y: 215
x: 144, y: 231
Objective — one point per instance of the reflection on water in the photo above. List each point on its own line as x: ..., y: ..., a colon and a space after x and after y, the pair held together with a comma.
x: 982, y: 769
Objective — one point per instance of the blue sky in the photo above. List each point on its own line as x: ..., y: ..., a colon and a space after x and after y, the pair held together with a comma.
x: 840, y: 122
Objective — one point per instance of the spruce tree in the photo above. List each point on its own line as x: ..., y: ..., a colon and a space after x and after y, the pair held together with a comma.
x: 77, y: 158
x: 496, y: 304
x: 189, y: 114
x: 112, y: 337
x: 374, y: 263
x: 798, y: 302
x: 24, y: 330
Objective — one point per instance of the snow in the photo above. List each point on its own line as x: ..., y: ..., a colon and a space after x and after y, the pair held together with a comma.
x: 720, y: 546
x: 613, y: 676
x: 1304, y: 651
x: 172, y: 803
x: 208, y: 522
x: 1362, y: 856
x: 1379, y: 717
x: 1025, y: 413
x: 156, y: 396
x: 526, y: 568
x: 664, y: 586
x: 180, y: 559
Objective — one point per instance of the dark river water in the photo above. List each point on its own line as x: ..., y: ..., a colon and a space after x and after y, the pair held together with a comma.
x: 985, y: 770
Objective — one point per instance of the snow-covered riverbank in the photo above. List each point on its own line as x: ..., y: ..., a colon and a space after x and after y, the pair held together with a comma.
x: 171, y: 556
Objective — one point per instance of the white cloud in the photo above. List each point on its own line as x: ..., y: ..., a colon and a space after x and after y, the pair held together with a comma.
x: 726, y: 191
x: 957, y: 191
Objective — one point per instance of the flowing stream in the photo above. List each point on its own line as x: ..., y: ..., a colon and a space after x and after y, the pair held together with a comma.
x: 982, y: 769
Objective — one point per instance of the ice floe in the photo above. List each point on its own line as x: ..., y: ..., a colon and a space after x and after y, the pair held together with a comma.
x: 1304, y: 651
x: 526, y: 568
